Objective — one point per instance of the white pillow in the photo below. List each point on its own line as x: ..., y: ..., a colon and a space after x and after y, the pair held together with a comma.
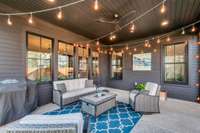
x: 9, y: 81
x: 152, y: 88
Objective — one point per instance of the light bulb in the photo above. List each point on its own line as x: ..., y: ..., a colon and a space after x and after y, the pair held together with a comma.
x: 127, y: 47
x: 96, y: 5
x: 60, y: 14
x: 130, y: 53
x: 51, y: 1
x: 164, y: 23
x: 168, y: 39
x: 87, y: 45
x: 155, y: 50
x: 9, y: 21
x: 158, y: 40
x: 112, y: 37
x: 132, y: 28
x: 111, y: 49
x: 193, y: 28
x: 146, y: 43
x: 135, y: 49
x: 30, y: 20
x: 183, y: 32
x: 163, y: 8
x: 97, y: 43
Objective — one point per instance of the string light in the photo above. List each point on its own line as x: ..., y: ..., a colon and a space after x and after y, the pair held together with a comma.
x: 183, y: 31
x: 97, y: 43
x: 111, y: 49
x: 164, y: 23
x: 130, y: 53
x: 158, y: 40
x: 168, y: 39
x: 96, y: 5
x: 193, y: 28
x: 135, y: 49
x: 163, y: 8
x: 87, y: 45
x: 30, y: 20
x: 60, y: 14
x: 146, y: 43
x: 132, y: 28
x: 127, y: 47
x: 154, y: 50
x: 112, y: 37
x: 9, y: 21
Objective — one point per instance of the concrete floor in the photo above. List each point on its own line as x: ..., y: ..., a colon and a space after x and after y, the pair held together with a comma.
x: 176, y: 116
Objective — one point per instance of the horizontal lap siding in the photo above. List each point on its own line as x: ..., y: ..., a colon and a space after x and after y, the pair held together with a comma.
x: 11, y: 57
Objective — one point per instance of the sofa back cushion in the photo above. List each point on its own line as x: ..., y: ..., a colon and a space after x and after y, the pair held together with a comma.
x: 72, y: 84
x: 61, y: 87
x: 89, y: 83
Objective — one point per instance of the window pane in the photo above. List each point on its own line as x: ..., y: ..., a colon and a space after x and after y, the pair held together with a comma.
x: 45, y: 70
x: 116, y: 72
x: 33, y: 42
x: 33, y: 71
x: 169, y: 54
x: 180, y: 50
x: 32, y: 54
x: 169, y: 72
x: 180, y: 73
x: 45, y: 56
x: 46, y: 45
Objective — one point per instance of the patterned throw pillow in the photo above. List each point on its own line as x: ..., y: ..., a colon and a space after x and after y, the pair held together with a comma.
x: 61, y: 87
x: 89, y: 83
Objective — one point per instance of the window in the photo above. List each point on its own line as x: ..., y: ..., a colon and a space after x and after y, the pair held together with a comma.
x: 175, y: 63
x: 65, y: 61
x: 95, y: 64
x: 116, y: 66
x: 39, y: 58
x: 83, y: 54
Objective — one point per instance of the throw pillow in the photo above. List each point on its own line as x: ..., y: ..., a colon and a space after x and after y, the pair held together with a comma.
x: 61, y: 87
x: 89, y: 83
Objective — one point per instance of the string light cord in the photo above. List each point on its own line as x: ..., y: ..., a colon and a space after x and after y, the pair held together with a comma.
x: 42, y: 11
x: 131, y: 21
x: 161, y: 36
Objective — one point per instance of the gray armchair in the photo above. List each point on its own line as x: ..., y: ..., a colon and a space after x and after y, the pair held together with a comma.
x: 148, y: 100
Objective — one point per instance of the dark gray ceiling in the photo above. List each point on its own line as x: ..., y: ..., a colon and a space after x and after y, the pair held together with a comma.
x: 81, y: 18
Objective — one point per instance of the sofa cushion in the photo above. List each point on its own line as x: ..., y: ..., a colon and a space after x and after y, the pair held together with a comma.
x: 78, y: 92
x: 75, y: 84
x: 152, y: 88
x: 61, y: 87
x: 89, y: 83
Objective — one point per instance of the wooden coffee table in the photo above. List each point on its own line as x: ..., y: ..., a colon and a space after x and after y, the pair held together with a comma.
x: 96, y: 105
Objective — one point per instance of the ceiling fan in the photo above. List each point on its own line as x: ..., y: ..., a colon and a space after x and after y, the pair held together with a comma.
x: 115, y: 19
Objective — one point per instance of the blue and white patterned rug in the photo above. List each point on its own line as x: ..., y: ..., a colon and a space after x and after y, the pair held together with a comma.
x: 120, y: 119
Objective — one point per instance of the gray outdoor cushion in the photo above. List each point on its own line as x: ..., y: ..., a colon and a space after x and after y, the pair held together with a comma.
x: 61, y: 87
x: 89, y: 83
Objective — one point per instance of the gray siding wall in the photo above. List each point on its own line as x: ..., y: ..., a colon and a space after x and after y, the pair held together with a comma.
x: 186, y: 92
x: 13, y: 44
x: 13, y: 49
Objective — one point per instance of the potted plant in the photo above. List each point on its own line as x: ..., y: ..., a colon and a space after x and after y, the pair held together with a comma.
x: 140, y: 86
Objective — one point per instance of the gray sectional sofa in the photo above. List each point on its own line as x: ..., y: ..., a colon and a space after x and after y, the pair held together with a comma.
x: 68, y: 91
